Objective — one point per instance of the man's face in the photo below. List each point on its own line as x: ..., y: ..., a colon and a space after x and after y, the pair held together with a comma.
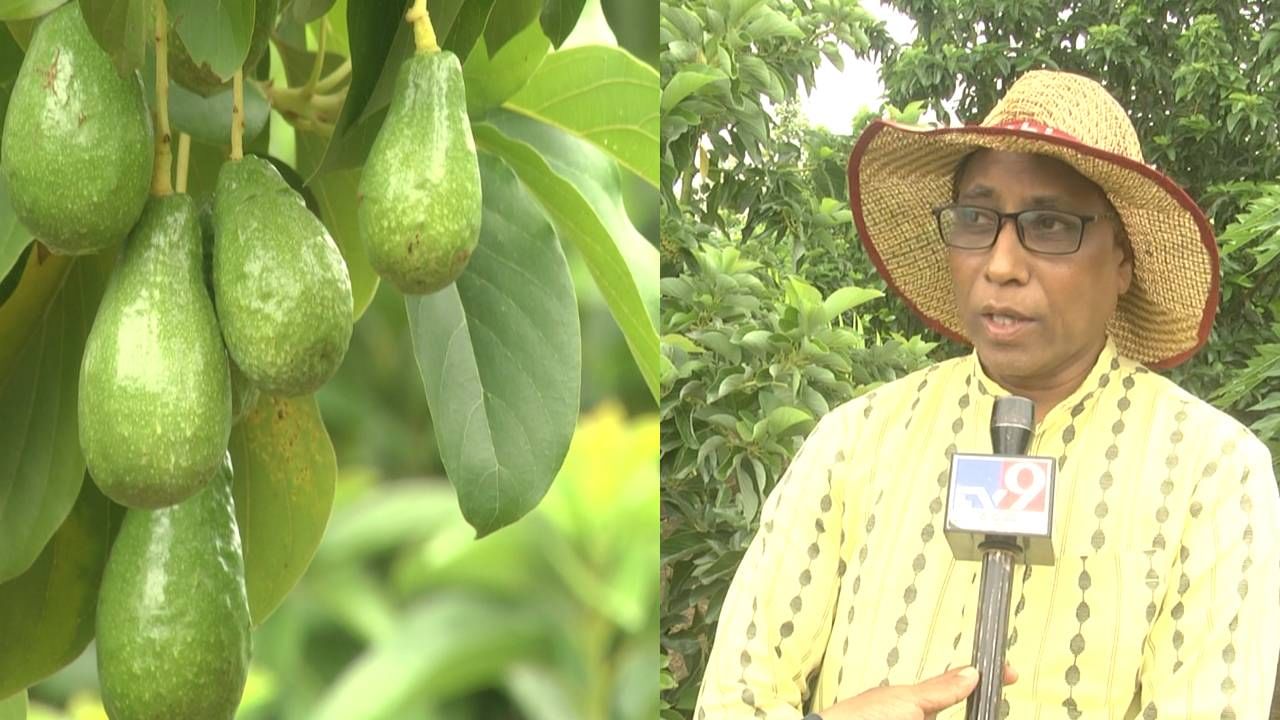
x: 1036, y: 320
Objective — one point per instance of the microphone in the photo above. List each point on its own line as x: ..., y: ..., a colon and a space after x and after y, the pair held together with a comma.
x: 999, y: 511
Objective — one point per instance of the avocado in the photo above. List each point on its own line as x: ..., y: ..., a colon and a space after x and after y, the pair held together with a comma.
x: 281, y: 286
x: 173, y: 625
x: 155, y: 389
x: 419, y: 202
x: 78, y: 146
x: 198, y: 78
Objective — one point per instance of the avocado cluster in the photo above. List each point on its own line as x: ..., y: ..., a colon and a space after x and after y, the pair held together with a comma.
x: 206, y: 309
x: 191, y: 328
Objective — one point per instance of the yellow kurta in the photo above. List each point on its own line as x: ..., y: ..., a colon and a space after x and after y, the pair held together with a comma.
x: 1162, y: 602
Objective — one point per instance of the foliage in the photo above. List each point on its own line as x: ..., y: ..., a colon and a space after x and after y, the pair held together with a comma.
x: 554, y: 166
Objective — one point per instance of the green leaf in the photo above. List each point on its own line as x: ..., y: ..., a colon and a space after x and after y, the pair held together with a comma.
x: 208, y: 119
x: 41, y: 467
x: 25, y: 10
x: 847, y: 298
x: 449, y: 645
x: 785, y: 419
x: 285, y: 470
x: 558, y: 18
x: 46, y: 613
x: 505, y: 21
x: 687, y: 82
x: 491, y: 80
x: 14, y: 237
x: 500, y: 357
x: 767, y: 23
x: 215, y: 32
x: 122, y: 28
x: 601, y: 94
x: 578, y: 221
x: 335, y: 193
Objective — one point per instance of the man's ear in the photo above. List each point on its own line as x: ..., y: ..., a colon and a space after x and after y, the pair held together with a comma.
x: 1124, y: 270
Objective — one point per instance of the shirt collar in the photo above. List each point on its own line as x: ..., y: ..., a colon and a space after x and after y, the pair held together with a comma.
x: 984, y: 387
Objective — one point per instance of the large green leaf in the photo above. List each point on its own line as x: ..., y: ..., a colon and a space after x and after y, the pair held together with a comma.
x: 46, y: 613
x: 449, y: 645
x: 215, y: 32
x: 602, y: 94
x: 41, y: 466
x: 579, y: 222
x: 208, y: 119
x: 26, y: 9
x: 491, y: 80
x: 284, y: 474
x: 501, y: 360
x: 122, y: 28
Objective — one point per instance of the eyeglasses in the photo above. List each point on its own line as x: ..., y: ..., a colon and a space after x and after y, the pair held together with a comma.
x: 1048, y: 232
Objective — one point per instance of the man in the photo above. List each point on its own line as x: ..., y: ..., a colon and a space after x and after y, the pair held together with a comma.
x: 1043, y: 239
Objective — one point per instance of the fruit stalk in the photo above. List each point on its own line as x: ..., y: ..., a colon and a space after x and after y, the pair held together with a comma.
x: 237, y: 115
x: 184, y: 159
x: 318, y: 65
x: 160, y: 182
x: 424, y: 36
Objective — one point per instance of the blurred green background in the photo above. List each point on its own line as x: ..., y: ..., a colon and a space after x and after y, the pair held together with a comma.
x: 403, y: 614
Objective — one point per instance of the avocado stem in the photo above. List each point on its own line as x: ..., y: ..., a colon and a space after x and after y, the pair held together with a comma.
x: 335, y: 78
x: 184, y: 159
x: 424, y: 36
x: 161, y: 185
x: 318, y: 65
x: 237, y: 114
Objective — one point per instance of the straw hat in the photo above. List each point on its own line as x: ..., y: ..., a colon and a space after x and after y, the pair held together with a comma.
x: 899, y: 173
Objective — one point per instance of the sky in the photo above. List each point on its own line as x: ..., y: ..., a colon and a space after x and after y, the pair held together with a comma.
x: 838, y: 96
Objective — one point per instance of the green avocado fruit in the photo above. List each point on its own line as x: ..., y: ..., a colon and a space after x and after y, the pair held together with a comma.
x: 173, y: 624
x: 419, y: 202
x: 78, y: 145
x: 198, y: 78
x: 155, y: 389
x: 281, y: 286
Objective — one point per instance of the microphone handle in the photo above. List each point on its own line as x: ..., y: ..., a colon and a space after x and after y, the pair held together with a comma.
x: 992, y: 633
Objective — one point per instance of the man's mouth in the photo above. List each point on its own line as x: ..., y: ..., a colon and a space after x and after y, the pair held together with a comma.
x: 1003, y: 324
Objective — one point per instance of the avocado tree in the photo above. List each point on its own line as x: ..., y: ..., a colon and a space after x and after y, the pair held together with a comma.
x: 198, y: 201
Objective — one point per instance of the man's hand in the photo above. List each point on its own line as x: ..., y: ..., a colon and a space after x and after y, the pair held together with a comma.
x: 921, y: 701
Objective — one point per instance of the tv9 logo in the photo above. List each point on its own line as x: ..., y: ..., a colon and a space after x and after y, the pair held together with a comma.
x: 994, y: 494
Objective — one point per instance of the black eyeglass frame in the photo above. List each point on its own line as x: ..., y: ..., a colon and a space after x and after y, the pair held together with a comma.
x: 1017, y: 226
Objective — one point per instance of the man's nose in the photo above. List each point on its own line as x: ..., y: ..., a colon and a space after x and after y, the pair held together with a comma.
x: 1007, y: 261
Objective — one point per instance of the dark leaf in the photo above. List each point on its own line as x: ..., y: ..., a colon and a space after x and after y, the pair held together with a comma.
x: 216, y: 33
x: 558, y: 18
x: 122, y: 27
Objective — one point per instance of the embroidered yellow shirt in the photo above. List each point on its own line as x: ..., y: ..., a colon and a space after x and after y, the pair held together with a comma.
x: 1162, y: 602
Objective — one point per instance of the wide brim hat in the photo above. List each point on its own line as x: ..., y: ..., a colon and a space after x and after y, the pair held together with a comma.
x: 899, y: 173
